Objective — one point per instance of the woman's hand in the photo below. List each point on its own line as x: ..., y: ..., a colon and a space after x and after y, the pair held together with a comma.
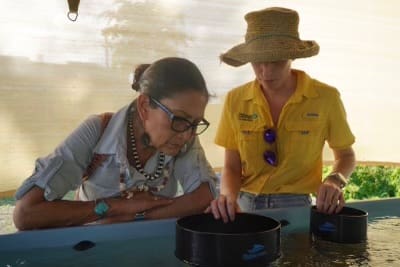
x: 224, y: 207
x: 330, y: 198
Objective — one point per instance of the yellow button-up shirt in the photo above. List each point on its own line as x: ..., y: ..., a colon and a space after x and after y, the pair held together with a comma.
x: 313, y: 114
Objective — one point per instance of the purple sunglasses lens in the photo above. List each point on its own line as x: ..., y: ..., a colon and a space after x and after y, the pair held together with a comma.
x: 270, y: 158
x: 269, y: 136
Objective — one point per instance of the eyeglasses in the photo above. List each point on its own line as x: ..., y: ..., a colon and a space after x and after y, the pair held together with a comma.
x: 180, y: 124
x: 270, y: 156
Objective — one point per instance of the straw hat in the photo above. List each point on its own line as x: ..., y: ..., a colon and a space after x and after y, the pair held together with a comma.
x: 272, y: 35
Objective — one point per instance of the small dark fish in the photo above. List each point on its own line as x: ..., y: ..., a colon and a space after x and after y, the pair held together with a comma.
x: 84, y: 245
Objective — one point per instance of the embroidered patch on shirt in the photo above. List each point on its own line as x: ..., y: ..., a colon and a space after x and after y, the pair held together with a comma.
x: 248, y: 117
x: 246, y: 132
x: 311, y: 115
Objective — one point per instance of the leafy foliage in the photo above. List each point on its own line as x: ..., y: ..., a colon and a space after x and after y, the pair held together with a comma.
x: 369, y: 182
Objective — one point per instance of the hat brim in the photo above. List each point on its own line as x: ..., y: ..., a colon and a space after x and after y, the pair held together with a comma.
x: 262, y: 50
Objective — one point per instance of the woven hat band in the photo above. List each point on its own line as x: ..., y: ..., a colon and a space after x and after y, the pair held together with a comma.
x: 272, y: 36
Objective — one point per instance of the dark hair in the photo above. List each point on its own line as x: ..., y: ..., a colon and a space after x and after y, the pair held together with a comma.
x: 137, y: 73
x: 168, y: 77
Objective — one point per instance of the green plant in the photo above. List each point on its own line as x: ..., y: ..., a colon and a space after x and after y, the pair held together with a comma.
x: 373, y: 182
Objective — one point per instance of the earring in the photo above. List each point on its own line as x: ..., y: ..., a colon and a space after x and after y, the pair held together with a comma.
x: 184, y: 148
x: 145, y: 139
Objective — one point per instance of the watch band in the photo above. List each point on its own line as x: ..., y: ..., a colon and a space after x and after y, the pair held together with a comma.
x: 338, y: 177
x: 101, y: 208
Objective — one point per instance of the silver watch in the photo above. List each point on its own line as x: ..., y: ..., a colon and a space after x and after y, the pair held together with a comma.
x: 338, y: 177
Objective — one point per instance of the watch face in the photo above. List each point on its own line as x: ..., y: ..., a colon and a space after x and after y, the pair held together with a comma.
x: 101, y: 208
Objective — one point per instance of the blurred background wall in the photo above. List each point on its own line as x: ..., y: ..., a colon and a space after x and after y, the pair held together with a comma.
x: 54, y: 72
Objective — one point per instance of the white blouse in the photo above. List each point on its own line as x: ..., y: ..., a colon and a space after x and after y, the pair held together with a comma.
x: 62, y: 170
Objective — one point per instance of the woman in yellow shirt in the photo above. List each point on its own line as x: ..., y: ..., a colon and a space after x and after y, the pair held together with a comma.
x: 274, y: 128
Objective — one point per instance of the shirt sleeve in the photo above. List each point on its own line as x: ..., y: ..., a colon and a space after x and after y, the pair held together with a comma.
x: 62, y: 170
x: 191, y: 168
x: 339, y: 132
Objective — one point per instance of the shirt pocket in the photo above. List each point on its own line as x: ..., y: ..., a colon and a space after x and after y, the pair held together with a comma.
x: 251, y: 149
x: 304, y: 138
x: 105, y: 180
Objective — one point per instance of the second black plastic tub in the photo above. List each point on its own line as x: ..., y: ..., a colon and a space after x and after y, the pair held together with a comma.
x: 347, y: 226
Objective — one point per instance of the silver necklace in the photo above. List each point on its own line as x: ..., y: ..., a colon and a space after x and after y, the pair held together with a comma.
x: 138, y: 165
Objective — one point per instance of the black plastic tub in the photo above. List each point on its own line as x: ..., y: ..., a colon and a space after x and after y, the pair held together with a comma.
x: 347, y: 226
x: 250, y: 240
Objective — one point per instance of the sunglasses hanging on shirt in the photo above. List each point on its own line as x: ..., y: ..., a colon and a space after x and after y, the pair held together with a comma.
x: 270, y: 156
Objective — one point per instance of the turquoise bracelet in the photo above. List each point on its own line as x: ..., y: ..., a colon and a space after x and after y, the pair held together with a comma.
x: 100, y: 208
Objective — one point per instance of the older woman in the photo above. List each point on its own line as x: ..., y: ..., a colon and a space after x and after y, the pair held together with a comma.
x: 130, y: 163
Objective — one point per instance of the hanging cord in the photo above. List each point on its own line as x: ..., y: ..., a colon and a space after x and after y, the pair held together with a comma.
x: 73, y: 10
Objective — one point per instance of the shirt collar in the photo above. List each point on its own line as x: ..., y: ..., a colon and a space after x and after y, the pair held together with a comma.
x: 304, y: 88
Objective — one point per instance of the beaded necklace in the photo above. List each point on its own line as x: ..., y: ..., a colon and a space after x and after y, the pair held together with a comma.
x: 138, y: 165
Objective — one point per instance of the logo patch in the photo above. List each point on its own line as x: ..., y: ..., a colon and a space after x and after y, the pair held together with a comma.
x: 255, y: 252
x: 246, y: 132
x: 248, y: 117
x: 327, y: 227
x: 312, y: 115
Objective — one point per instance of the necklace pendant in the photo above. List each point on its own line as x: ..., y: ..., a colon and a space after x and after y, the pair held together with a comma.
x: 143, y: 188
x: 159, y: 187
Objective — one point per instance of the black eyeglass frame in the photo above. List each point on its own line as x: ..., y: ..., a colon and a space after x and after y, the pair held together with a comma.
x: 174, y: 117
